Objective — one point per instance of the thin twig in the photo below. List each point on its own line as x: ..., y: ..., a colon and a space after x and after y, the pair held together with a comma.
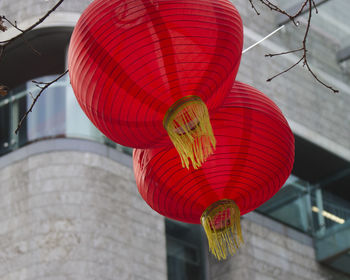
x: 251, y: 3
x: 31, y: 95
x: 283, y: 53
x: 305, y: 51
x: 42, y: 89
x: 304, y: 58
x: 285, y: 71
x: 13, y: 24
x: 6, y: 43
x: 275, y: 8
x: 315, y: 6
x: 321, y: 82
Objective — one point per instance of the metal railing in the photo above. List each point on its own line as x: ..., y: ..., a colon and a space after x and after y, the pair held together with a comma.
x: 307, y: 208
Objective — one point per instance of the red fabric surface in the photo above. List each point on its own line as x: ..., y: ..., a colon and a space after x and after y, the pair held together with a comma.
x: 253, y: 159
x: 130, y: 60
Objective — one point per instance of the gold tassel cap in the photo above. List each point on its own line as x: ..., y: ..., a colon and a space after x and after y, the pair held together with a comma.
x: 188, y: 125
x: 221, y: 222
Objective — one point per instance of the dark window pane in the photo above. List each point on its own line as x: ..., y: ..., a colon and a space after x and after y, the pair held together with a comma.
x: 4, y: 126
x: 22, y: 133
x: 185, y: 256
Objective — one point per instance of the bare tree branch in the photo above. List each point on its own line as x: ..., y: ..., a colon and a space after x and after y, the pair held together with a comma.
x: 285, y: 71
x: 304, y: 58
x: 13, y: 24
x: 4, y: 44
x: 283, y: 53
x: 251, y: 3
x: 277, y: 9
x: 43, y: 86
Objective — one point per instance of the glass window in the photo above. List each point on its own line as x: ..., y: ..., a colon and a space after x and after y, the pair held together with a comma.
x: 19, y: 109
x: 291, y: 205
x: 78, y: 124
x: 185, y: 252
x: 12, y: 107
x: 4, y: 125
x: 48, y: 117
x: 56, y: 114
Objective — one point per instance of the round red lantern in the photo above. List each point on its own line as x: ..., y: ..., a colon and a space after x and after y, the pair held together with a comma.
x: 145, y: 69
x: 253, y: 158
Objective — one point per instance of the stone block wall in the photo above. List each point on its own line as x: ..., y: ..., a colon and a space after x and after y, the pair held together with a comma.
x: 271, y: 255
x: 77, y: 215
x: 73, y: 215
x: 313, y: 109
x: 303, y: 100
x: 30, y: 9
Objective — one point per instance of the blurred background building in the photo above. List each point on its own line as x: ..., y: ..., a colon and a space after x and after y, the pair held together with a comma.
x: 69, y: 206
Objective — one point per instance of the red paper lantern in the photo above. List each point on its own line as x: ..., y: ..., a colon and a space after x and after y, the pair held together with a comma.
x: 139, y: 66
x: 253, y: 159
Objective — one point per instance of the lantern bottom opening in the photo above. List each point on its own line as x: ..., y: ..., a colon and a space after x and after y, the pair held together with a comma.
x: 188, y: 125
x: 221, y: 222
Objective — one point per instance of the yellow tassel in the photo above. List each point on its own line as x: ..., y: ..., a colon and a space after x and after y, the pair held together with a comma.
x: 221, y: 222
x: 188, y: 125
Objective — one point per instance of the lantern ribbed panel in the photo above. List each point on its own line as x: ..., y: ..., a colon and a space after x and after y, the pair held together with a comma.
x: 253, y: 159
x: 130, y: 60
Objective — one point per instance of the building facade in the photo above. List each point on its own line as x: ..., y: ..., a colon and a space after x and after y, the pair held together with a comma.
x: 70, y: 206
